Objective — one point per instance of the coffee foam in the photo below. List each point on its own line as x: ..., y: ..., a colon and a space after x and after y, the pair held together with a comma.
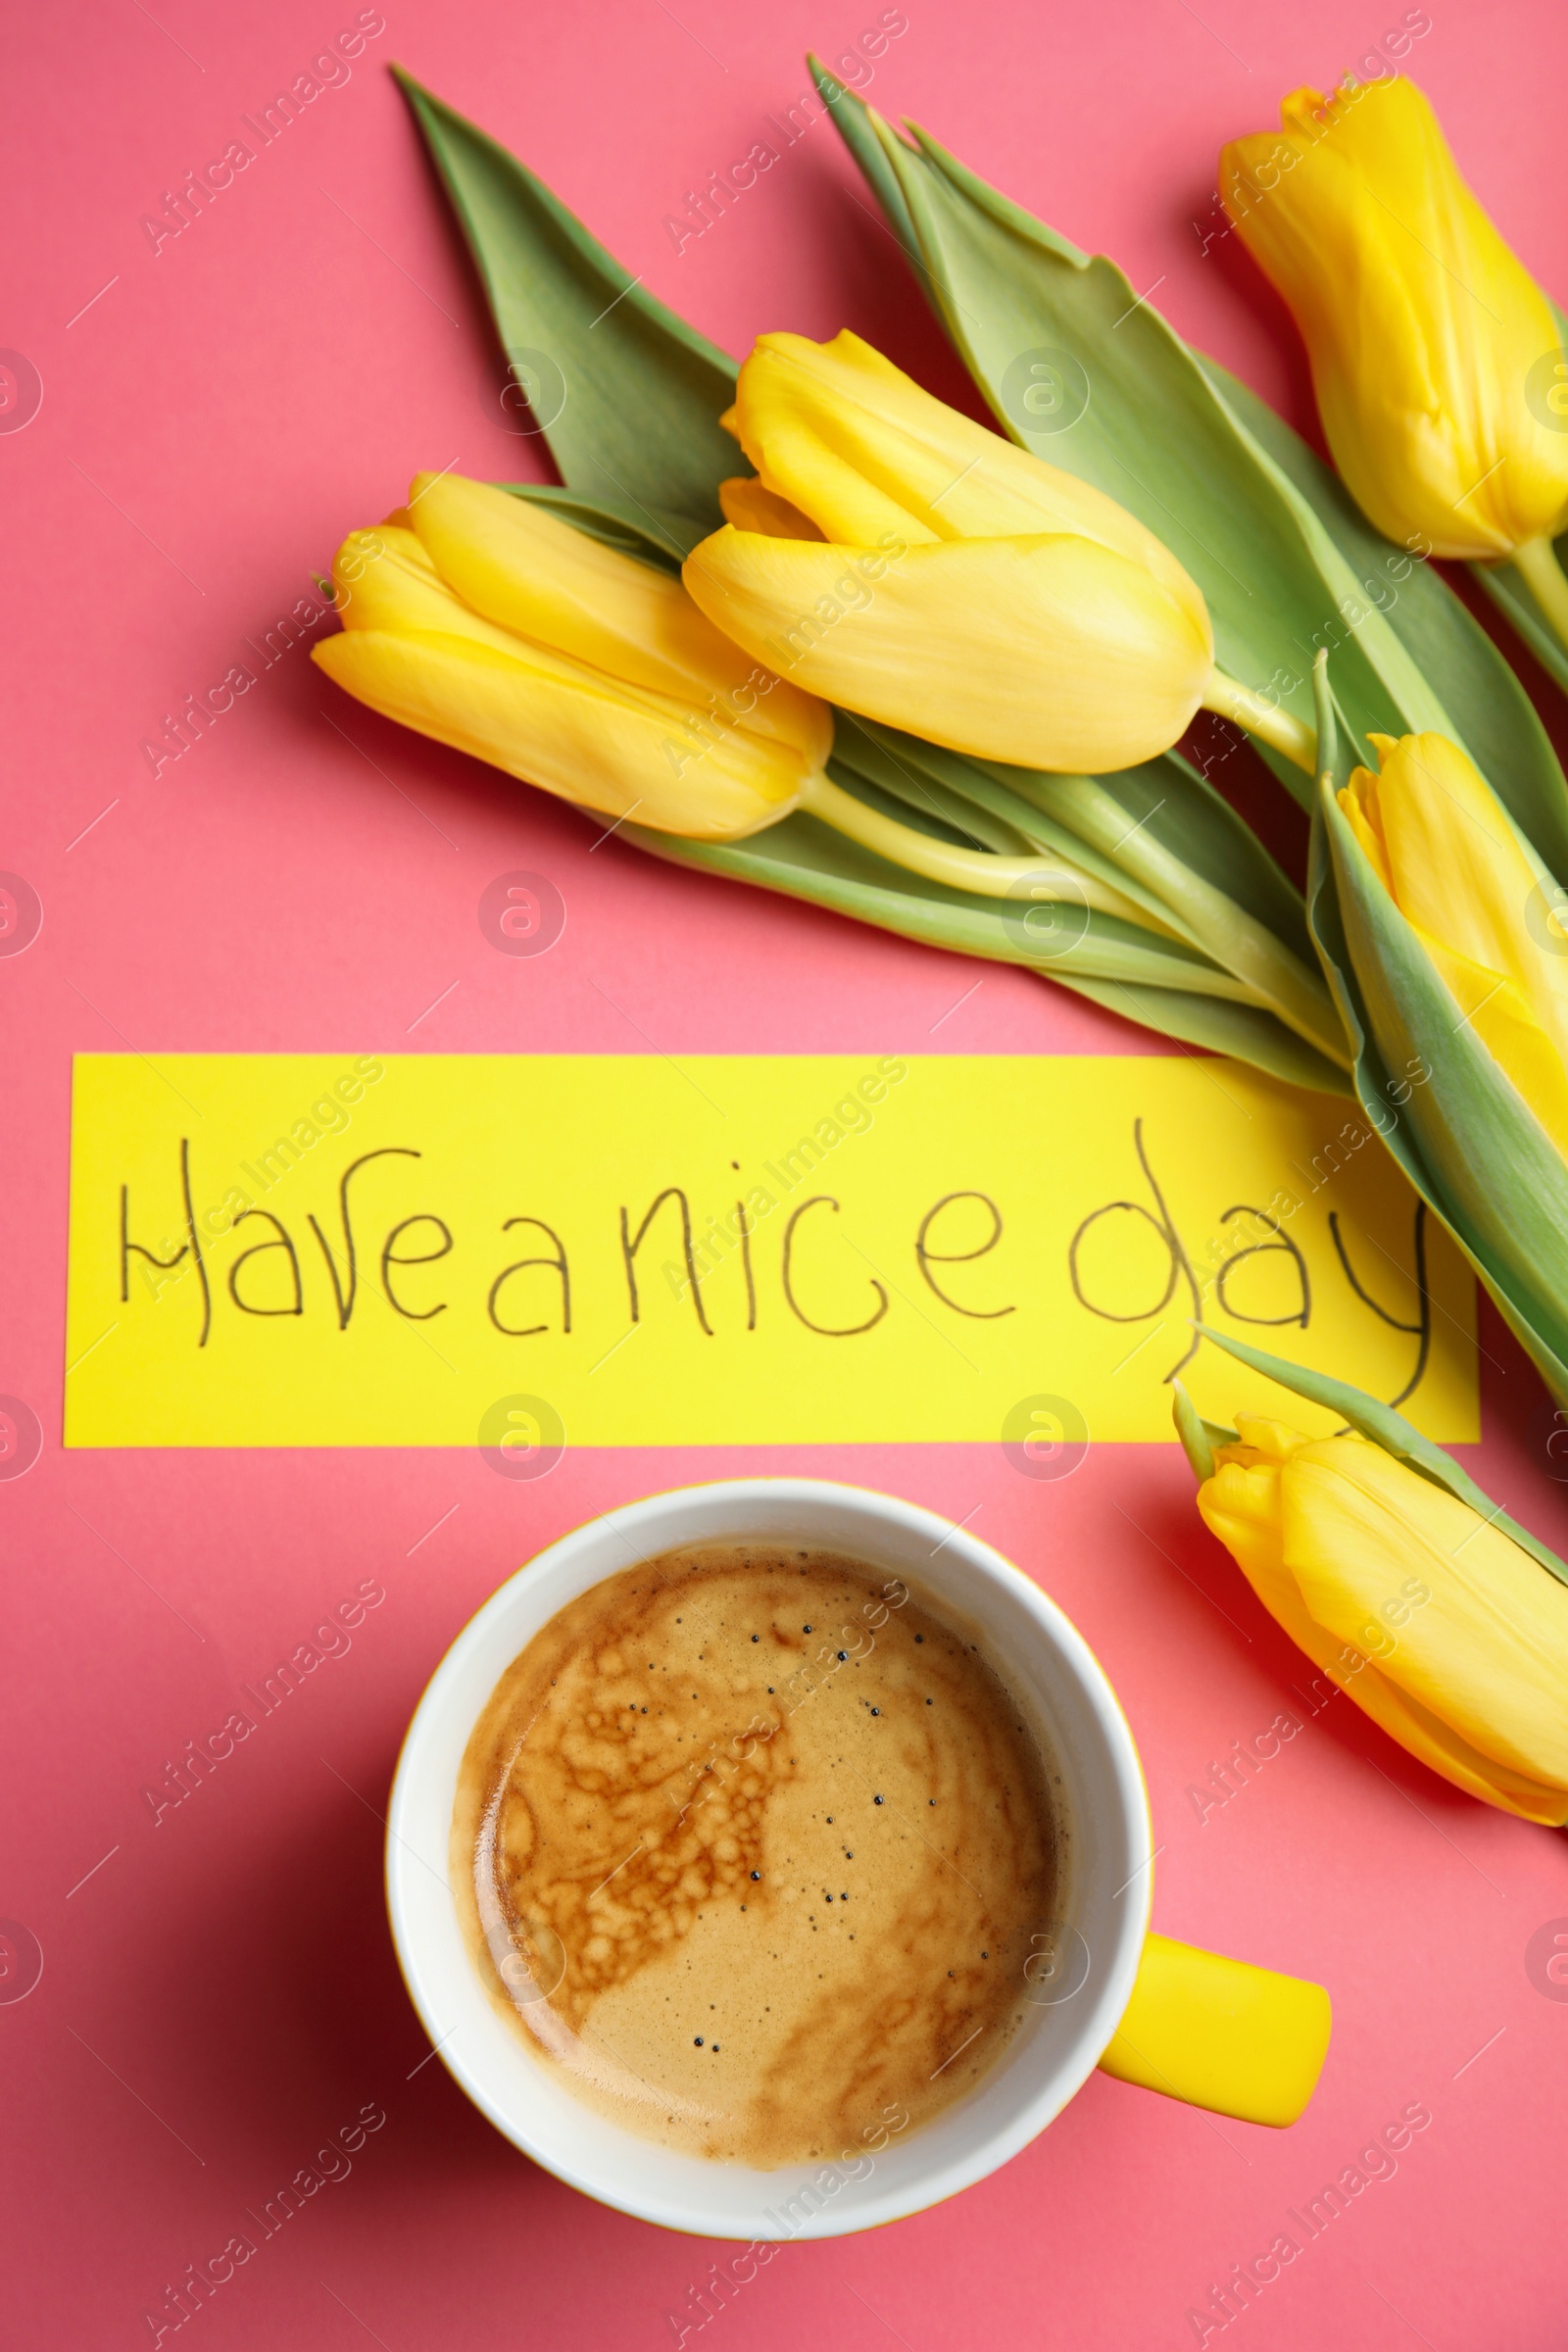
x: 753, y: 1845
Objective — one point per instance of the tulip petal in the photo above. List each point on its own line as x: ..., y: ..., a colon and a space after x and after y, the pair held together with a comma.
x: 581, y: 740
x: 1490, y: 711
x: 384, y: 580
x: 1503, y: 1018
x: 863, y: 449
x: 1421, y: 326
x: 1488, y: 1651
x: 1463, y: 1122
x: 1047, y: 652
x: 1163, y: 432
x: 1443, y: 848
x: 751, y: 508
x: 524, y: 569
x: 1241, y: 1505
x: 1382, y: 1426
x: 1457, y: 870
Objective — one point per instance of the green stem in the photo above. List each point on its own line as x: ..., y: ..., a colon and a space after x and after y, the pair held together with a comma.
x: 1211, y: 920
x: 1244, y: 946
x: 980, y: 871
x: 1266, y: 721
x: 1537, y: 559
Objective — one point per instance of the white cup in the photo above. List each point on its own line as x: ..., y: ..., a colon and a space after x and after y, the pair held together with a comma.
x: 1084, y: 1981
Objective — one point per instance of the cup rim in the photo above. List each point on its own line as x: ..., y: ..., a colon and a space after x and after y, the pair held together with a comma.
x: 410, y: 1935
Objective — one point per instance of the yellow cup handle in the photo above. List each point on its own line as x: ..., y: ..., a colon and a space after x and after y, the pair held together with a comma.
x: 1220, y: 2034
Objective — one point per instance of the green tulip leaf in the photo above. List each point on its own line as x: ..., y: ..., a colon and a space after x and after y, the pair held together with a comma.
x: 1502, y: 728
x: 862, y: 762
x: 805, y: 858
x: 1510, y: 592
x: 1125, y: 404
x: 1167, y: 803
x: 1001, y: 798
x: 854, y: 123
x: 626, y: 395
x: 1199, y: 1437
x: 651, y: 534
x: 1158, y: 983
x: 1121, y: 817
x: 1392, y: 1431
x: 1240, y: 1032
x: 1441, y: 1102
x: 1118, y: 828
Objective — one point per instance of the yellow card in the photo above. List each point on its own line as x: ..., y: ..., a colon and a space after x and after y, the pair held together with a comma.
x: 529, y: 1251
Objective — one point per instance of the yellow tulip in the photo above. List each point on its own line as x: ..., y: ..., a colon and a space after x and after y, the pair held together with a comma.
x: 490, y: 624
x: 1431, y: 348
x: 949, y: 583
x: 496, y: 627
x: 1432, y: 1620
x: 1443, y: 847
x: 751, y: 508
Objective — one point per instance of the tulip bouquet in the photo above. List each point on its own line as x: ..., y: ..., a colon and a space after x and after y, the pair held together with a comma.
x: 968, y: 668
x: 935, y: 676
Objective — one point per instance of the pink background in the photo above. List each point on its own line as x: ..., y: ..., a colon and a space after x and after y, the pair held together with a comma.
x: 219, y: 1992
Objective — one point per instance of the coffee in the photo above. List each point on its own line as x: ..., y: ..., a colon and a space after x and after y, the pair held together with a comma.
x: 757, y: 1848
